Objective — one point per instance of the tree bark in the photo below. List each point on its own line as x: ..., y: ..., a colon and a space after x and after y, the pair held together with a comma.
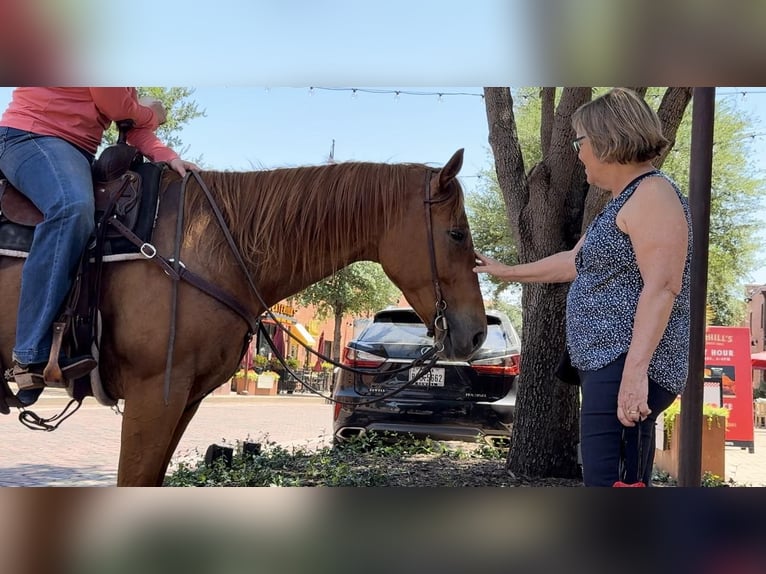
x: 671, y: 112
x: 504, y: 142
x: 336, y: 334
x: 547, y: 101
x: 540, y: 207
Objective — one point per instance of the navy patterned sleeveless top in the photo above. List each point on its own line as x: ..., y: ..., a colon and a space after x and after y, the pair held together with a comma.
x: 602, y: 300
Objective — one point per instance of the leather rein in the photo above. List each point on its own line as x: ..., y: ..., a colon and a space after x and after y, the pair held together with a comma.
x: 176, y: 271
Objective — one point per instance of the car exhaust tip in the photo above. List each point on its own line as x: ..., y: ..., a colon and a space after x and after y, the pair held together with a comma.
x: 347, y: 433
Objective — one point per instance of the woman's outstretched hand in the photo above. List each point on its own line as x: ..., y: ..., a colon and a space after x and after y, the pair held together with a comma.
x: 486, y: 264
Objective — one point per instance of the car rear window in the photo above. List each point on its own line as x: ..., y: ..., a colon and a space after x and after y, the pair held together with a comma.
x: 406, y: 330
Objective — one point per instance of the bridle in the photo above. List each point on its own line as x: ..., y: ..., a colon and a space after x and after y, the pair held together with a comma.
x: 176, y: 271
x: 429, y: 355
x: 440, y: 319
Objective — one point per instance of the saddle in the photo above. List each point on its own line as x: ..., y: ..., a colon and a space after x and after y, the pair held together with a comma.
x: 119, y: 175
x: 123, y: 189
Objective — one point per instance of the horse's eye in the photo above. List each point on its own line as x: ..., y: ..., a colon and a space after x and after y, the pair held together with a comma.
x: 457, y: 234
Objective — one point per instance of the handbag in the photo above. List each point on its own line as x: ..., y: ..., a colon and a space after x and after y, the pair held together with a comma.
x: 565, y: 372
x: 621, y: 482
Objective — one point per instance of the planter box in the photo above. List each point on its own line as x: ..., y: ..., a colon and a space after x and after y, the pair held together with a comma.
x: 241, y: 385
x: 266, y: 384
x: 713, y: 451
x: 224, y: 389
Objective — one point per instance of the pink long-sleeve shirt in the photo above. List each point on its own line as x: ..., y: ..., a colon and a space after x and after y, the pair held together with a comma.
x: 81, y: 115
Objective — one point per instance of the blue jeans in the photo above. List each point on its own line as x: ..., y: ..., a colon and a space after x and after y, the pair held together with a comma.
x: 602, y: 434
x: 56, y: 176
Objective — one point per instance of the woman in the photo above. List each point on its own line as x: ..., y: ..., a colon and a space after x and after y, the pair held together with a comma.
x: 48, y: 139
x: 627, y: 309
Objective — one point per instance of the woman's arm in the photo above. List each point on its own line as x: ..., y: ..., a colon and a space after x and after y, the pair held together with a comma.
x: 654, y: 219
x: 150, y: 145
x: 122, y: 104
x: 556, y: 268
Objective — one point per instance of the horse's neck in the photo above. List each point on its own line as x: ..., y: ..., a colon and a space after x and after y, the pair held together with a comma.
x: 330, y: 246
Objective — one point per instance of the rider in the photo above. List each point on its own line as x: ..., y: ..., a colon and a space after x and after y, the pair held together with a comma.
x: 48, y: 140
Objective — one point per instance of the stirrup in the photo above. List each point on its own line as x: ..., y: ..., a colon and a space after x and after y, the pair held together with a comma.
x: 24, y: 377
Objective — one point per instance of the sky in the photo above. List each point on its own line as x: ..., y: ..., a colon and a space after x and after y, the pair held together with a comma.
x: 255, y: 127
x: 252, y: 63
x: 248, y: 128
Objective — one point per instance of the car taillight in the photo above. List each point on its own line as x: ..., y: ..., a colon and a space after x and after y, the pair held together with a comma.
x: 508, y: 365
x: 336, y: 411
x: 360, y: 359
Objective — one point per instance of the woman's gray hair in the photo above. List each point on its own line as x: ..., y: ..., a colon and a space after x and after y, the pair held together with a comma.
x: 621, y: 127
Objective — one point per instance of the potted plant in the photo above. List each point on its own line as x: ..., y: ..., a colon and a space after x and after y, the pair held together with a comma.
x: 325, y: 376
x: 287, y: 382
x: 243, y: 381
x: 275, y: 365
x: 713, y: 439
x: 259, y: 363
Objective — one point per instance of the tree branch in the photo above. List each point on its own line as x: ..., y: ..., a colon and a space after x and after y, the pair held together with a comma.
x: 509, y: 162
x: 671, y: 112
x: 547, y: 101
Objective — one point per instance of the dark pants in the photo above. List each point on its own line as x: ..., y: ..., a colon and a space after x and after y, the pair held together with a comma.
x: 603, y: 439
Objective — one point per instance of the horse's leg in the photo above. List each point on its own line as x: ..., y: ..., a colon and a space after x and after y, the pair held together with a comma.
x: 148, y: 429
x: 183, y: 423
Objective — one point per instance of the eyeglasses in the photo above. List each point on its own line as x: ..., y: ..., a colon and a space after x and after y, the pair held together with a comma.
x: 576, y: 143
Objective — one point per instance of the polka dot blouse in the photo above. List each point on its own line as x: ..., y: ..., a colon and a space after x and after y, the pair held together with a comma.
x: 602, y: 300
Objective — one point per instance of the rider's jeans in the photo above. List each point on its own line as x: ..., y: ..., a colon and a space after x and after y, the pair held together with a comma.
x: 56, y: 176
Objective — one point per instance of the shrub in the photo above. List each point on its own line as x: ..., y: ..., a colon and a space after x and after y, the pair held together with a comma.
x: 367, y: 460
x: 710, y: 411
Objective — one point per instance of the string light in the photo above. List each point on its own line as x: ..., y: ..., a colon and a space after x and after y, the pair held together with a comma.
x: 399, y: 92
x: 440, y: 96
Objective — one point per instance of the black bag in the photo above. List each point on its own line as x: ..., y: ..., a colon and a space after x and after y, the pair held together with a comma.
x: 622, y: 481
x: 565, y: 372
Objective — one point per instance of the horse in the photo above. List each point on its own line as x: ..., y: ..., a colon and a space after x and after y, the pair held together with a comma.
x: 293, y: 226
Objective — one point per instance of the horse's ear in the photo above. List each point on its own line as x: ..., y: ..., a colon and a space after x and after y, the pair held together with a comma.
x: 450, y: 171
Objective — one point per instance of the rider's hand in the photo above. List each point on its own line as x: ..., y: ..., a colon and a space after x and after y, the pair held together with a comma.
x: 156, y: 106
x: 180, y: 166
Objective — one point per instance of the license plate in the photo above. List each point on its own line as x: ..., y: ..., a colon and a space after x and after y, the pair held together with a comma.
x: 433, y: 378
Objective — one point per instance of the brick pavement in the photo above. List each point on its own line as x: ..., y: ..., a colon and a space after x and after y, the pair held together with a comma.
x: 745, y: 468
x: 84, y: 450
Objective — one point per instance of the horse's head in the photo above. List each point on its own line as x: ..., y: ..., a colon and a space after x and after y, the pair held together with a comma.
x: 429, y: 254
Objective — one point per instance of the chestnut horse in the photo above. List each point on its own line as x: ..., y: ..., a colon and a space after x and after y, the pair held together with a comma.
x: 293, y: 227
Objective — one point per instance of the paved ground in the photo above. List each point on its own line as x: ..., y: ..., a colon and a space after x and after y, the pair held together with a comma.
x: 84, y: 450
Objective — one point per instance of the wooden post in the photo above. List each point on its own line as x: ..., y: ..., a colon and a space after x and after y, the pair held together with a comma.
x: 700, y: 170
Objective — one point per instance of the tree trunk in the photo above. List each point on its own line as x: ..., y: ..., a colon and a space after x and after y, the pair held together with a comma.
x: 336, y: 335
x: 541, y: 207
x: 546, y: 210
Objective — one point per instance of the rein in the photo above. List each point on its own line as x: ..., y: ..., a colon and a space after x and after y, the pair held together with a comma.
x: 176, y: 270
x: 438, y: 330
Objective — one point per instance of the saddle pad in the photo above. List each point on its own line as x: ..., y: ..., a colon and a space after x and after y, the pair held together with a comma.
x: 16, y: 240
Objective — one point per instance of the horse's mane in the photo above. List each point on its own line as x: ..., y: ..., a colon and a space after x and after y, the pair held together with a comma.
x: 315, y: 209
